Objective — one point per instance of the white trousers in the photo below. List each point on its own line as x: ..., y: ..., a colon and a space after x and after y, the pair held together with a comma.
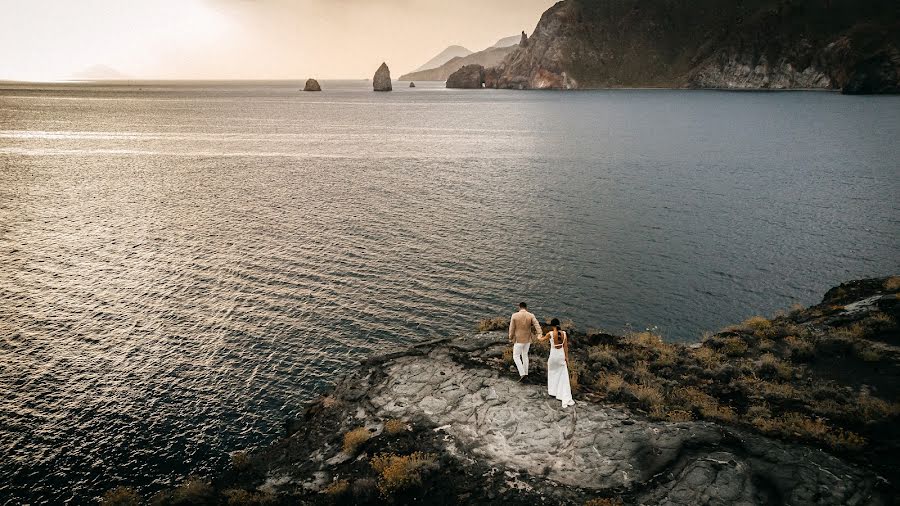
x: 520, y: 357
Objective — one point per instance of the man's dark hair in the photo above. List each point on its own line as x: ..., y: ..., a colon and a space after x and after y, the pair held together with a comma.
x: 523, y: 305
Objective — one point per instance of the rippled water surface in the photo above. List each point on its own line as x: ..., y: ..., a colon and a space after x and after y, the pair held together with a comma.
x: 182, y: 266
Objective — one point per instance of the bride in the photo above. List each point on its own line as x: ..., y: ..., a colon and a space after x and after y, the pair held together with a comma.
x: 557, y: 365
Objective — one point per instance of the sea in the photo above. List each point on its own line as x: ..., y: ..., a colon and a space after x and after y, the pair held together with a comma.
x: 183, y: 265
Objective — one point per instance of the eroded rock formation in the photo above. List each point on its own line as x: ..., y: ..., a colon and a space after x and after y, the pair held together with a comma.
x: 382, y: 79
x: 312, y: 85
x: 469, y: 77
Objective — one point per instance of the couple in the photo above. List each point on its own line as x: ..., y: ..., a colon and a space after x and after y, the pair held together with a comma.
x: 520, y: 333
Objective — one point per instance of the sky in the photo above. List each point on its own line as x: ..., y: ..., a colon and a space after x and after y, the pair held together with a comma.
x: 49, y: 40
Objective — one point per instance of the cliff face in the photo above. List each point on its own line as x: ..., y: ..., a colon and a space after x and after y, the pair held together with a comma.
x: 765, y: 44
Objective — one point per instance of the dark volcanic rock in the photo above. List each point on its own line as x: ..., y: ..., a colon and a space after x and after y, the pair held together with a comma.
x: 470, y: 76
x: 481, y: 437
x: 412, y: 85
x: 878, y: 74
x: 382, y: 79
x: 754, y: 44
x: 312, y: 85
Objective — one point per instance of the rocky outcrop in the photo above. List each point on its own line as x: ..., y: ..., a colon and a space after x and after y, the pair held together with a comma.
x: 412, y: 84
x: 487, y: 58
x: 445, y: 422
x: 468, y: 77
x: 382, y: 79
x: 312, y: 85
x: 524, y: 40
x: 755, y: 44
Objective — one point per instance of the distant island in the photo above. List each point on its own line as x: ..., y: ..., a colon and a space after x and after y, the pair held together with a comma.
x: 800, y: 408
x: 844, y: 45
x: 461, y: 57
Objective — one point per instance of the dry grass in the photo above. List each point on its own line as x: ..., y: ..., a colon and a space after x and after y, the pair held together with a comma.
x: 604, y: 501
x: 193, y: 491
x: 610, y: 384
x: 491, y: 324
x: 574, y: 377
x: 237, y: 497
x: 508, y: 356
x: 604, y: 355
x: 892, y: 283
x: 757, y: 323
x: 397, y: 472
x: 799, y: 425
x: 649, y: 397
x: 873, y: 409
x: 240, y: 461
x: 329, y: 402
x: 337, y: 488
x: 867, y: 354
x: 354, y: 438
x: 734, y: 347
x: 121, y: 496
x: 797, y: 348
x: 708, y: 358
x: 771, y: 366
x: 394, y: 427
x: 694, y: 399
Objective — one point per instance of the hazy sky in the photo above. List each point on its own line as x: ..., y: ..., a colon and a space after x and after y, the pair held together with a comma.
x: 246, y: 39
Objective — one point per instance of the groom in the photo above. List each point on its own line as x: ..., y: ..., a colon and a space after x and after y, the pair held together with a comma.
x: 520, y: 331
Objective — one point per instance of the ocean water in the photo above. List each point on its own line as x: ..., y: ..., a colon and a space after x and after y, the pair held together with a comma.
x: 183, y: 265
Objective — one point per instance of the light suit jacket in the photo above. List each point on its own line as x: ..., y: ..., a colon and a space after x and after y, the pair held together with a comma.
x: 521, y: 325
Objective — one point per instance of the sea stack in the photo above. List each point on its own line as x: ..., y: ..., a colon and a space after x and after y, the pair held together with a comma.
x: 312, y: 85
x: 412, y: 84
x: 382, y: 79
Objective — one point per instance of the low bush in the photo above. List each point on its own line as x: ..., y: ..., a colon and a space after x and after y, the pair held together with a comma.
x: 610, y: 384
x: 397, y: 472
x: 798, y: 349
x: 240, y: 461
x: 892, y: 283
x: 337, y: 488
x: 708, y: 358
x: 237, y: 497
x: 394, y: 427
x: 121, y: 496
x: 355, y: 438
x: 649, y: 397
x: 491, y: 324
x: 734, y: 347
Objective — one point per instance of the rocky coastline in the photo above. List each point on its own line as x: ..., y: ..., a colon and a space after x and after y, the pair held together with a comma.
x: 801, y: 408
x: 842, y: 45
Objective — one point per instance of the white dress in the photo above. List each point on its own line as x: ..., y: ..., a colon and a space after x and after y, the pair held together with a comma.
x: 558, y: 373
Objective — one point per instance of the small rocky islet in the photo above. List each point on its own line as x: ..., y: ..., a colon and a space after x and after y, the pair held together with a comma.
x: 800, y: 408
x: 312, y: 85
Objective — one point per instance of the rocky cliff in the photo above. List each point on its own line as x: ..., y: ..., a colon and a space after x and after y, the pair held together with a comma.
x: 798, y: 409
x: 751, y: 44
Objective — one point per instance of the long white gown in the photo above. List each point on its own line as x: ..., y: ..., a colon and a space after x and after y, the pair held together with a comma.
x: 558, y: 373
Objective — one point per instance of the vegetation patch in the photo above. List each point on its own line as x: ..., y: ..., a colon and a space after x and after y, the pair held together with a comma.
x: 355, y: 438
x: 398, y: 472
